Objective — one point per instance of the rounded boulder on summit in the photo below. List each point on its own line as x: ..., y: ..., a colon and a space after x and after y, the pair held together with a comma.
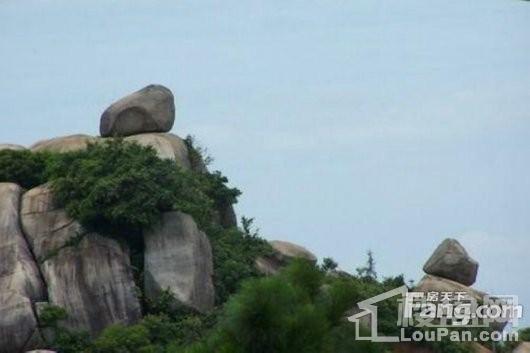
x: 151, y: 109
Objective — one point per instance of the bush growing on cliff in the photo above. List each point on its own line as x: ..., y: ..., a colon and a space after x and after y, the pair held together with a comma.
x: 121, y: 188
x: 24, y: 168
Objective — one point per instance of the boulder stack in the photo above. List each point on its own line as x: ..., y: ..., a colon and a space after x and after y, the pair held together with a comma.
x: 451, y: 269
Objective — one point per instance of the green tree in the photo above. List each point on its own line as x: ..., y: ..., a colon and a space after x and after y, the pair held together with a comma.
x: 368, y: 272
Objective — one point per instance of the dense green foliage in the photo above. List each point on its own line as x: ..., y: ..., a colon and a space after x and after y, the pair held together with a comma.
x: 300, y: 310
x: 234, y: 255
x: 121, y: 188
x: 24, y: 168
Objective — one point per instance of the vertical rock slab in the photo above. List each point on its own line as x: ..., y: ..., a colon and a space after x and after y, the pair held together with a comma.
x: 18, y: 324
x: 178, y: 257
x: 20, y: 281
x: 86, y: 274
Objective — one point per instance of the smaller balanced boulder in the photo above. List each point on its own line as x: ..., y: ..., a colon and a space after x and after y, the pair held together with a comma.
x: 450, y: 260
x: 151, y: 109
x: 283, y: 253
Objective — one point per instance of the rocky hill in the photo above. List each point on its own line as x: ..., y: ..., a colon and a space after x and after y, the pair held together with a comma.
x: 98, y: 257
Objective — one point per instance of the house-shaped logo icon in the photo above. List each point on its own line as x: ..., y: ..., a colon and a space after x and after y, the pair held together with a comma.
x: 367, y: 308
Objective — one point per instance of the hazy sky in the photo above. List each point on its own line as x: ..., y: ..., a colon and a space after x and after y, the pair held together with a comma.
x: 349, y: 125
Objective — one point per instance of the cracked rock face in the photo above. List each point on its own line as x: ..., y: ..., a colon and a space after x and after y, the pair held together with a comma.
x: 86, y: 274
x: 151, y: 109
x: 20, y: 280
x: 178, y: 257
x: 450, y: 260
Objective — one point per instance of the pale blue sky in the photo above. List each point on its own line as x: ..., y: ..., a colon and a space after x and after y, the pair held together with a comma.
x: 349, y: 125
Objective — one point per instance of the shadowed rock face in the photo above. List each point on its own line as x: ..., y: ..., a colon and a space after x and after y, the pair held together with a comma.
x: 450, y: 260
x: 20, y: 281
x: 86, y: 274
x: 151, y: 109
x: 178, y: 257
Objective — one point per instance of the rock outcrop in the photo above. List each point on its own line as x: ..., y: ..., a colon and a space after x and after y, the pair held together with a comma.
x: 86, y: 274
x: 167, y: 146
x: 9, y: 146
x: 178, y: 258
x: 450, y: 260
x: 20, y: 280
x: 430, y: 283
x: 151, y: 109
x: 64, y: 144
x: 283, y: 253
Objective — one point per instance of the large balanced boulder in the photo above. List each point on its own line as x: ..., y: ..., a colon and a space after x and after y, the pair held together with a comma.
x: 283, y: 253
x: 167, y: 146
x: 64, y: 144
x: 20, y: 281
x: 178, y: 258
x: 151, y: 109
x: 86, y: 274
x: 450, y: 260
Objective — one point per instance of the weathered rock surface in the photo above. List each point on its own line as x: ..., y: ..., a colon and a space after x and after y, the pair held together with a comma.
x: 18, y: 269
x: 167, y: 146
x: 178, y: 257
x: 86, y: 274
x: 450, y: 260
x: 18, y: 325
x: 151, y: 109
x: 9, y: 146
x: 64, y: 144
x: 284, y: 252
x: 20, y: 281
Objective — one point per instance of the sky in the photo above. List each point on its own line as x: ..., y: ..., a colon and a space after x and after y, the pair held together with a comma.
x: 348, y: 125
